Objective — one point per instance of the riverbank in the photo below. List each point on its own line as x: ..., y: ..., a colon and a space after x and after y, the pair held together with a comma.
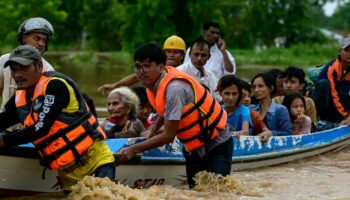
x: 301, y: 55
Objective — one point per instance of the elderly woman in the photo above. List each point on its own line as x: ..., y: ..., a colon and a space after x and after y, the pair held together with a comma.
x: 122, y: 108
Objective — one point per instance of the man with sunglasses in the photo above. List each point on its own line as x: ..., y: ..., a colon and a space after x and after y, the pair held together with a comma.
x: 35, y: 32
x: 187, y: 111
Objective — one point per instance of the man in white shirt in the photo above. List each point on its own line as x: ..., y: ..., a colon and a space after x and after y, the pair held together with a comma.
x: 35, y: 32
x: 221, y: 62
x: 199, y: 55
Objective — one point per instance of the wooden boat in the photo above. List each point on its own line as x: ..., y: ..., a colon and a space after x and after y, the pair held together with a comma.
x: 21, y: 173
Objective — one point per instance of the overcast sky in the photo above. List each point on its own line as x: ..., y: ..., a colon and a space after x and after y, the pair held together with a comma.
x: 329, y: 8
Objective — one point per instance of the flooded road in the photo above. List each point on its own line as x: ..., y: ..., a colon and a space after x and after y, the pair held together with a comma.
x: 321, y: 177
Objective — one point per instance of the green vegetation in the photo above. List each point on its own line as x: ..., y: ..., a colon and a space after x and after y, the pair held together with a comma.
x: 300, y: 55
x: 123, y: 25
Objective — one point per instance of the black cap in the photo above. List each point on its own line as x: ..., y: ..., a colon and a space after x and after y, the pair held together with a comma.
x: 24, y: 55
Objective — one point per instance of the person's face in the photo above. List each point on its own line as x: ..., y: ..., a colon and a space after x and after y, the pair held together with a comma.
x: 246, y: 98
x: 279, y: 85
x: 230, y: 96
x: 26, y: 77
x: 148, y: 72
x: 345, y: 54
x: 35, y: 39
x: 292, y: 85
x: 144, y: 112
x: 116, y: 106
x: 212, y: 35
x: 260, y: 89
x: 297, y: 107
x: 199, y: 55
x: 174, y: 57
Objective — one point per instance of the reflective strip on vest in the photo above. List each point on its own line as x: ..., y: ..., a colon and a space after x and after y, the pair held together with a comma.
x: 70, y: 135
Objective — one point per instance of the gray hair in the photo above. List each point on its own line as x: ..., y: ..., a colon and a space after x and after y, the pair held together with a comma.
x: 128, y: 97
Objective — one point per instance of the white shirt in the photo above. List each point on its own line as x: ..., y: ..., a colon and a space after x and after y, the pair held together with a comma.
x: 209, y: 79
x: 216, y: 62
x: 6, y: 80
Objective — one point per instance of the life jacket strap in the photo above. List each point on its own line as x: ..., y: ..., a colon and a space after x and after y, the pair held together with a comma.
x: 196, y: 106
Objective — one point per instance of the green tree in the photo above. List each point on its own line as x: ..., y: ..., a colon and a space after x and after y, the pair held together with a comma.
x: 340, y: 20
x: 265, y: 20
x: 14, y: 12
x: 154, y: 20
x: 100, y: 21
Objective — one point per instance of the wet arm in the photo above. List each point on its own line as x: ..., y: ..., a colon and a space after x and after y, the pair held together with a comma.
x: 159, y: 140
x: 126, y: 81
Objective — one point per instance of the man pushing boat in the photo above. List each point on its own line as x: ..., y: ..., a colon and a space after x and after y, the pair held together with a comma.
x: 187, y: 111
x: 56, y: 120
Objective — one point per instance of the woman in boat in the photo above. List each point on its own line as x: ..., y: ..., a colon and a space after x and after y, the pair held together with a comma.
x: 238, y: 119
x: 296, y: 105
x: 259, y: 127
x: 275, y: 116
x: 122, y: 108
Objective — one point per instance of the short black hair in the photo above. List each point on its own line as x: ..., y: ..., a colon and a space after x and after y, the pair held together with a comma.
x: 246, y: 86
x: 293, y: 71
x: 275, y: 72
x: 207, y: 25
x: 229, y: 80
x: 152, y: 52
x: 268, y: 79
x: 200, y: 42
x: 141, y: 93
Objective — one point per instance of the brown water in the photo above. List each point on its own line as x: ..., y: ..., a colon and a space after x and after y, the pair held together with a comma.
x: 321, y: 177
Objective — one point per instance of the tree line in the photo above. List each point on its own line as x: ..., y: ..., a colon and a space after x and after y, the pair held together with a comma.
x: 113, y: 25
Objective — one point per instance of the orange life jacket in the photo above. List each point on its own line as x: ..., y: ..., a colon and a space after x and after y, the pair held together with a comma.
x: 70, y: 135
x: 200, y: 121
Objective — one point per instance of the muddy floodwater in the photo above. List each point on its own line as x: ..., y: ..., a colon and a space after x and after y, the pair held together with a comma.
x: 326, y: 176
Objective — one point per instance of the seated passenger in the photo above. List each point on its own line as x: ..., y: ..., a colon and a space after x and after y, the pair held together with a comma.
x: 259, y: 128
x: 275, y: 116
x: 145, y: 109
x: 230, y: 89
x: 277, y: 75
x: 332, y: 89
x: 294, y: 82
x: 122, y: 108
x: 296, y: 105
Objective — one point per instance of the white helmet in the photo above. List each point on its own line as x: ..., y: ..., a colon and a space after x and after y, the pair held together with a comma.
x: 36, y: 24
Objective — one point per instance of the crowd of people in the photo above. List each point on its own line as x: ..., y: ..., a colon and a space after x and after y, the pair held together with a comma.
x: 191, y: 94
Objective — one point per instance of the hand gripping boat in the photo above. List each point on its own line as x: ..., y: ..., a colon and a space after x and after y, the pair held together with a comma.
x: 21, y: 174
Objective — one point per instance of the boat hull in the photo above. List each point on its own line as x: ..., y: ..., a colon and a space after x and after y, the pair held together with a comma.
x: 21, y: 173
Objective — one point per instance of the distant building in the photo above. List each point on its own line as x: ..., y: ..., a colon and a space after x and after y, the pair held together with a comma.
x: 335, y: 35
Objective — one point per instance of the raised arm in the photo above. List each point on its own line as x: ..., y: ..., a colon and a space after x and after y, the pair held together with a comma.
x: 126, y: 81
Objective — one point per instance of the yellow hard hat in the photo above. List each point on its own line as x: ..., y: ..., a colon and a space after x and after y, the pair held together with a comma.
x: 174, y: 42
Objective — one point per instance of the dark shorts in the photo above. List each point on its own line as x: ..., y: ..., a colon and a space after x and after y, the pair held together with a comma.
x: 218, y: 160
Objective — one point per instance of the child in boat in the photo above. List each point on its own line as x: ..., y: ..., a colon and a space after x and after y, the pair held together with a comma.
x: 145, y: 109
x: 122, y: 108
x: 296, y: 105
x: 230, y: 89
